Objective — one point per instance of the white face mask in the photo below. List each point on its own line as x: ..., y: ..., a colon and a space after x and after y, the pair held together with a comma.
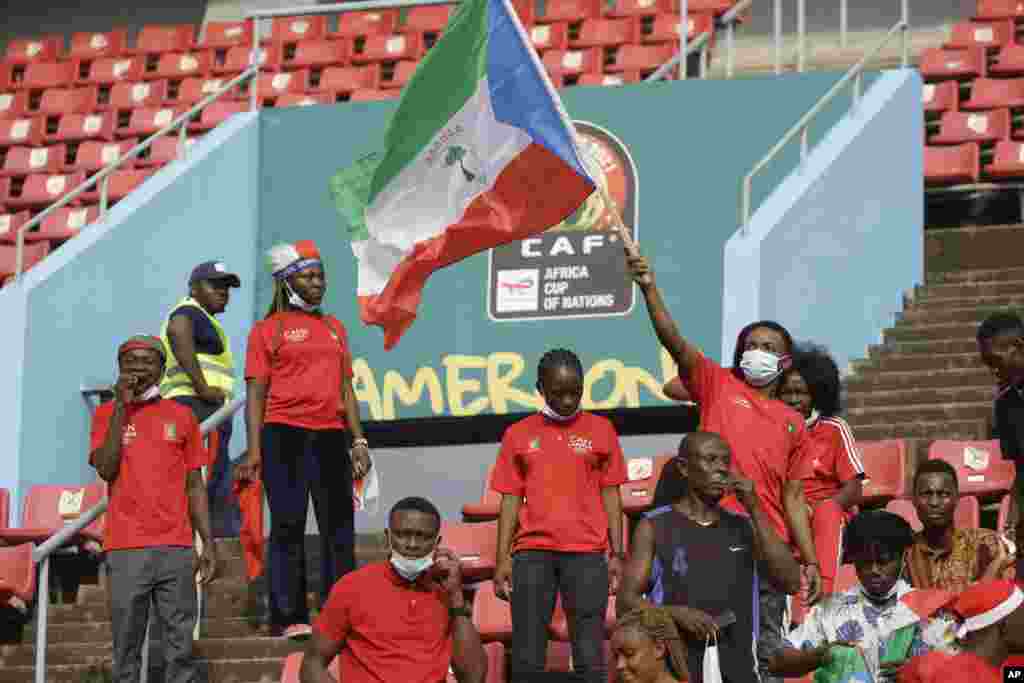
x: 296, y: 300
x: 410, y: 568
x: 550, y: 413
x: 148, y: 394
x: 761, y: 368
x: 813, y: 418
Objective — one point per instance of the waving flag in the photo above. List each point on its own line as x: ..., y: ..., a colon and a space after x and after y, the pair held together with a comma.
x: 479, y: 153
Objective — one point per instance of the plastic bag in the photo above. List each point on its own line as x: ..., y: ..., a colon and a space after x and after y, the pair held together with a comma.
x: 712, y: 667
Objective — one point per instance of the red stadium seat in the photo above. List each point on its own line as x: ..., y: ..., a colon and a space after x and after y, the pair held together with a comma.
x: 664, y: 28
x: 93, y: 155
x: 5, y: 507
x: 318, y: 53
x: 347, y: 79
x: 431, y: 19
x: 715, y: 6
x: 87, y: 45
x: 993, y: 93
x: 6, y: 76
x: 476, y: 546
x: 939, y: 64
x: 177, y: 65
x: 292, y: 667
x: 403, y: 72
x: 987, y: 10
x: 367, y: 23
x: 372, y: 95
x: 294, y: 29
x: 22, y: 161
x: 966, y: 516
x: 489, y: 504
x: 609, y: 79
x: 192, y: 90
x: 300, y: 100
x: 643, y: 473
x: 17, y: 573
x: 275, y: 85
x: 550, y: 36
x: 5, y: 189
x: 953, y: 165
x: 643, y: 8
x: 98, y: 126
x: 33, y: 254
x: 570, y: 62
x: 607, y: 32
x: 958, y: 127
x: 1002, y: 521
x: 640, y: 57
x: 237, y: 60
x: 47, y: 508
x: 1007, y: 161
x: 216, y: 113
x: 146, y: 121
x: 119, y: 185
x: 569, y: 10
x: 980, y: 468
x: 492, y: 616
x: 1009, y: 61
x: 163, y: 151
x: 65, y: 223
x: 10, y: 223
x: 28, y: 50
x: 42, y: 75
x: 13, y: 104
x: 388, y: 48
x: 137, y: 95
x: 990, y: 35
x: 40, y: 190
x: 221, y: 34
x: 115, y: 70
x: 26, y: 131
x: 157, y: 39
x: 885, y: 469
x: 940, y: 97
x: 57, y: 101
x: 526, y: 10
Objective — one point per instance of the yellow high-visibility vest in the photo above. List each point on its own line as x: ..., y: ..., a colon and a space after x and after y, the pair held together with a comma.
x: 218, y: 370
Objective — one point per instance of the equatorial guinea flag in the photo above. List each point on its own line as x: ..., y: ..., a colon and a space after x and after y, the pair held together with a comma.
x: 479, y: 153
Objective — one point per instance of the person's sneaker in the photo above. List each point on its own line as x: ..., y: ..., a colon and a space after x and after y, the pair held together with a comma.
x: 298, y: 632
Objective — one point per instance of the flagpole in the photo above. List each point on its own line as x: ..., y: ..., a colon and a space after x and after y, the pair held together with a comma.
x: 620, y: 226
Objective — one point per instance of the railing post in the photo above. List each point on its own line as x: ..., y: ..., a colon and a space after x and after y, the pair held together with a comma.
x: 183, y: 140
x: 684, y: 36
x: 857, y: 85
x: 801, y: 35
x: 704, y: 59
x: 254, y: 59
x: 103, y: 195
x: 803, y: 144
x: 777, y: 15
x: 745, y: 204
x: 19, y: 254
x: 844, y: 20
x: 730, y: 49
x: 42, y: 606
x: 905, y: 14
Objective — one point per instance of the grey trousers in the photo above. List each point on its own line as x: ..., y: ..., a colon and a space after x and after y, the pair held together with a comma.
x: 770, y: 639
x: 161, y: 576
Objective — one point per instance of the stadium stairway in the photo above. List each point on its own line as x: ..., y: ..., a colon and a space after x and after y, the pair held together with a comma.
x: 233, y: 647
x: 925, y: 380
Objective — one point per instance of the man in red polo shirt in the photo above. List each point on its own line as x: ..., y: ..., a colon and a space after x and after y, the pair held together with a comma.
x: 402, y: 620
x: 149, y: 451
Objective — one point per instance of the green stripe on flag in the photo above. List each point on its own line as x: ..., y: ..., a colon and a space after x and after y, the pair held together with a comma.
x: 350, y: 190
x: 445, y: 79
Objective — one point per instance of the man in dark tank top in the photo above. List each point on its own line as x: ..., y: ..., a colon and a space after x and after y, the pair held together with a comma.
x: 702, y: 562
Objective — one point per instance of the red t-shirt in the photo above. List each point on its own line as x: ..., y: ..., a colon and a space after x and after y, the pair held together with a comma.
x: 304, y: 357
x: 765, y: 435
x: 388, y: 629
x: 829, y: 459
x: 160, y: 445
x: 560, y: 468
x: 939, y: 667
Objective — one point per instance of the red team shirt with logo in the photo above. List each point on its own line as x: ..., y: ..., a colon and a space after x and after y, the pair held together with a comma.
x: 160, y: 445
x: 559, y: 469
x: 829, y: 459
x: 303, y: 357
x: 765, y: 435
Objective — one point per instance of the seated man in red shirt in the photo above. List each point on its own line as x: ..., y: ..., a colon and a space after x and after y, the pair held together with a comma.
x: 150, y: 452
x: 993, y: 629
x: 402, y: 620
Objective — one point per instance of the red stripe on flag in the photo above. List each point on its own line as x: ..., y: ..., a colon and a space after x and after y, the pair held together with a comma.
x: 534, y: 192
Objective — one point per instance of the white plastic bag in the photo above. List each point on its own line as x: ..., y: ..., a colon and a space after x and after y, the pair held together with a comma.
x: 712, y: 669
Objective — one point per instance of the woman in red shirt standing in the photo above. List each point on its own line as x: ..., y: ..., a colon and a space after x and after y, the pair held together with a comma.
x: 833, y: 471
x: 304, y: 433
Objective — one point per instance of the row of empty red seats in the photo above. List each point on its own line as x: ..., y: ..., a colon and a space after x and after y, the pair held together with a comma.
x: 962, y: 164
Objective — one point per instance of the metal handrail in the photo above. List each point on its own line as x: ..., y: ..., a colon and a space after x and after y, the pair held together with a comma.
x: 41, y: 555
x: 665, y: 69
x: 855, y: 74
x: 702, y: 42
x: 801, y: 39
x: 101, y: 177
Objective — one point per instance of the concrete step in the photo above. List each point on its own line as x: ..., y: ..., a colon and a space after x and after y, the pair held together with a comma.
x: 871, y: 379
x: 904, y: 332
x: 972, y: 248
x: 264, y: 670
x: 919, y: 348
x: 975, y: 276
x: 952, y: 396
x: 947, y: 314
x: 984, y: 304
x: 964, y: 430
x: 963, y: 290
x: 921, y: 413
x: 99, y: 631
x: 918, y: 362
x: 230, y: 589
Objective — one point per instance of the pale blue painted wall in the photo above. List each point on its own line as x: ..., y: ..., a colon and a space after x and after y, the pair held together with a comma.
x: 121, y: 278
x: 831, y: 250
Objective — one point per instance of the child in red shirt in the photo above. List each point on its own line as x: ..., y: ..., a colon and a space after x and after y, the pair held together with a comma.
x: 559, y: 474
x: 301, y: 415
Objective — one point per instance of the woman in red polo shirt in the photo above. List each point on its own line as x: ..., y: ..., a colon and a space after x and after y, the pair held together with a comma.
x: 559, y: 473
x: 304, y: 433
x: 831, y: 485
x: 765, y: 435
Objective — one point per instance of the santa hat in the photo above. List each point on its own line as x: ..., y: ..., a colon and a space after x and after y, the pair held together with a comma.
x: 285, y: 260
x: 985, y: 604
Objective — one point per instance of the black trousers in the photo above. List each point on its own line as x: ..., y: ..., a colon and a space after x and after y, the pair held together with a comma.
x: 582, y: 580
x: 299, y: 463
